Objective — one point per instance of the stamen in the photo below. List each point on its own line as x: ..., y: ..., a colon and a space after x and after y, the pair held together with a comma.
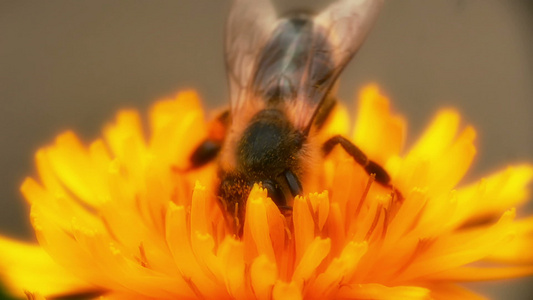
x: 215, y: 234
x: 143, y: 260
x: 288, y: 235
x: 393, y: 206
x: 371, y: 180
x: 236, y: 218
x: 385, y: 222
x: 109, y: 229
x: 374, y: 222
x: 29, y: 295
x: 193, y: 287
x: 223, y: 204
x: 398, y: 195
x: 314, y: 214
x: 417, y: 218
x: 423, y: 245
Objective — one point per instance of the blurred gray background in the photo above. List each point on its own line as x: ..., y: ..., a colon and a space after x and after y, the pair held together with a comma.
x: 73, y: 64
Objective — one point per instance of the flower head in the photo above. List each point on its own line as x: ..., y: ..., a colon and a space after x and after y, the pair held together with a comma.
x: 117, y: 218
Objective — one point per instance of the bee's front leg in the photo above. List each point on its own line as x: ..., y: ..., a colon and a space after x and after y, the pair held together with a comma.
x: 208, y: 150
x: 370, y: 166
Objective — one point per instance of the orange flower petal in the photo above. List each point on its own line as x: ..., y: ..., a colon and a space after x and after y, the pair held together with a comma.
x: 36, y: 272
x: 381, y: 292
x: 263, y: 276
x: 451, y: 291
x: 378, y: 132
x: 124, y: 215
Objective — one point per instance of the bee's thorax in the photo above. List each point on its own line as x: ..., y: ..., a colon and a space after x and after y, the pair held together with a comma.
x: 269, y: 146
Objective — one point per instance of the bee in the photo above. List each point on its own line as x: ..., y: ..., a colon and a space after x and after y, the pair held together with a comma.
x: 281, y: 72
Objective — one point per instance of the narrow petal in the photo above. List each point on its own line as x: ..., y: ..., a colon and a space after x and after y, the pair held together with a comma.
x: 466, y: 274
x: 231, y: 255
x: 26, y: 267
x: 438, y: 136
x: 122, y: 296
x: 494, y: 194
x: 340, y: 269
x: 56, y: 205
x: 264, y: 226
x: 439, y: 160
x: 174, y: 121
x: 518, y: 250
x: 456, y: 250
x: 55, y: 239
x: 381, y: 292
x: 446, y: 291
x: 286, y: 291
x: 405, y: 219
x: 451, y: 167
x: 126, y: 136
x: 263, y: 276
x: 337, y: 123
x: 70, y: 163
x: 344, y: 189
x: 199, y: 221
x: 34, y: 296
x: 378, y: 132
x: 312, y: 258
x: 320, y: 203
x: 257, y: 221
x: 191, y: 270
x: 124, y: 268
x: 335, y: 229
x: 304, y: 226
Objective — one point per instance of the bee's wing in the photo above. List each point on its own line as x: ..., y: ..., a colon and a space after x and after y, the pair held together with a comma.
x: 339, y: 32
x: 250, y: 25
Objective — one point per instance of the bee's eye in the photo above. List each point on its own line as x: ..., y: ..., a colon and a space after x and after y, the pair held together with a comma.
x: 275, y: 192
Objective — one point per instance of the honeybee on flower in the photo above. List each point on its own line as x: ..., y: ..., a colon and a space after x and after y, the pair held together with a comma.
x: 281, y: 72
x: 135, y: 217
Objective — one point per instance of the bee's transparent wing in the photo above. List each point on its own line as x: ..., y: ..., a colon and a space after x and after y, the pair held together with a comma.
x: 250, y: 24
x: 339, y: 30
x: 347, y: 23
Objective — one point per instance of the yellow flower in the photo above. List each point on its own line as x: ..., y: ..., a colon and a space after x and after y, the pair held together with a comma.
x: 117, y: 219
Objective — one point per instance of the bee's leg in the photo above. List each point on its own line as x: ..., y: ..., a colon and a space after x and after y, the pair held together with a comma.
x: 275, y: 192
x: 295, y: 186
x: 204, y: 153
x: 208, y: 150
x: 370, y: 167
x: 285, y: 210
